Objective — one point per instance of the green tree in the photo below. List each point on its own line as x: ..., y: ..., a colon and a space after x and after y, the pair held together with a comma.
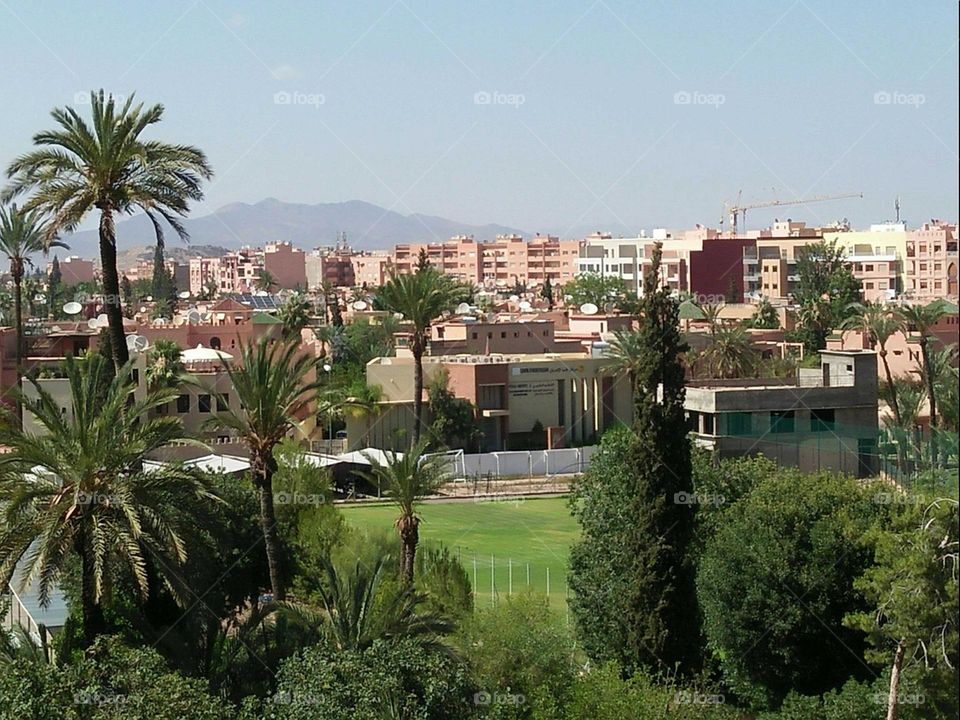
x: 295, y: 316
x: 423, y: 260
x: 266, y: 281
x: 420, y: 297
x: 275, y: 389
x: 80, y: 489
x: 598, y: 289
x: 111, y: 169
x: 546, y: 292
x: 454, y: 420
x: 164, y: 365
x: 54, y: 288
x: 878, y: 323
x: 632, y: 573
x: 406, y: 478
x: 730, y: 354
x: 22, y: 234
x: 825, y: 292
x: 765, y: 316
x: 163, y: 287
x: 913, y: 591
x: 627, y: 356
x: 776, y: 580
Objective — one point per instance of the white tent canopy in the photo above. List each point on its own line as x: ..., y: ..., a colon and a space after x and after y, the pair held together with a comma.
x: 204, y: 354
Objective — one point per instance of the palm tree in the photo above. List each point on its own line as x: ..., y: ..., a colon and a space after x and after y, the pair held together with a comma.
x: 627, y: 354
x: 878, y: 323
x: 730, y: 354
x: 266, y: 281
x: 920, y: 319
x: 420, y: 297
x: 711, y: 314
x: 295, y: 316
x: 164, y: 365
x: 80, y: 487
x: 406, y: 478
x: 274, y: 391
x: 109, y: 168
x: 362, y: 608
x: 22, y: 234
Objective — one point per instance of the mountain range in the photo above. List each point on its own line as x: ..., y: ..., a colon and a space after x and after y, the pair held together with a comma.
x: 367, y: 227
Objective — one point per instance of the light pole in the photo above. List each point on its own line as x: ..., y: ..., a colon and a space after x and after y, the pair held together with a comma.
x: 327, y: 368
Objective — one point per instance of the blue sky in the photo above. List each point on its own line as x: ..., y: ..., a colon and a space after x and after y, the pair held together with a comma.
x: 547, y: 115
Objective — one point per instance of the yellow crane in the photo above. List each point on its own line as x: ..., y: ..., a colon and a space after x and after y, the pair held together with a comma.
x: 738, y: 212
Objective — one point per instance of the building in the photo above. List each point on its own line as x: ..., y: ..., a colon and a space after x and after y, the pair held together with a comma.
x: 502, y: 263
x: 931, y: 262
x: 371, y: 269
x: 75, y: 270
x: 286, y: 264
x: 236, y: 272
x: 334, y: 267
x: 522, y: 400
x: 824, y: 419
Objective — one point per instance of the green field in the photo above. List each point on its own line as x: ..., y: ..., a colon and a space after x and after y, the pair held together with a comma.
x: 532, y: 536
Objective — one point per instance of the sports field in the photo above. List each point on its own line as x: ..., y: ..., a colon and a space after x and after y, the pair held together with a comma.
x: 531, y: 536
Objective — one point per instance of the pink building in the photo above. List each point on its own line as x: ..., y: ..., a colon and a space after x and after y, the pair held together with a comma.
x: 370, y: 269
x: 931, y: 264
x: 286, y: 264
x: 75, y: 270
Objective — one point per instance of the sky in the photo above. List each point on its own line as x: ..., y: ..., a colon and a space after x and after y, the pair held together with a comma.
x: 548, y: 115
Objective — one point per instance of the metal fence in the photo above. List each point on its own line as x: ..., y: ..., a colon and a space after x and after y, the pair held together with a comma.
x: 518, y: 463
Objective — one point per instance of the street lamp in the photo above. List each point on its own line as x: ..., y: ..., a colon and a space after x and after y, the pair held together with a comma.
x: 327, y: 368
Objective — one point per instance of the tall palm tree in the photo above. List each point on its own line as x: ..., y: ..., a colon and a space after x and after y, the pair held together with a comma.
x: 265, y: 281
x: 22, y: 234
x: 80, y: 487
x: 275, y: 387
x: 921, y: 319
x: 878, y: 323
x: 711, y: 314
x: 108, y: 167
x: 406, y: 478
x: 421, y: 298
x: 295, y: 316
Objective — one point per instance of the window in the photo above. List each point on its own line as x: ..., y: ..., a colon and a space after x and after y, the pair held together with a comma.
x: 183, y: 404
x: 739, y: 423
x: 782, y: 421
x: 473, y: 335
x: 223, y: 402
x: 822, y: 420
x: 503, y: 335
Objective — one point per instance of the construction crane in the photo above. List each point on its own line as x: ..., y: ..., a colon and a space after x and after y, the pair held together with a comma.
x: 738, y: 212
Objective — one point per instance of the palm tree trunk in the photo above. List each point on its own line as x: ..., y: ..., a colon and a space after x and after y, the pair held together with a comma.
x: 93, y: 622
x: 409, y: 537
x: 263, y: 479
x: 111, y: 287
x: 894, y: 404
x: 18, y: 312
x: 892, y: 700
x: 928, y: 377
x: 417, y: 350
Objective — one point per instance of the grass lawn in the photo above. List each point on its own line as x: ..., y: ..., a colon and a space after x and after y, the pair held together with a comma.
x: 532, y: 536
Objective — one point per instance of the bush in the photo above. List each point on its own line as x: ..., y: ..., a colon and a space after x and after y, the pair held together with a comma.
x: 389, y: 679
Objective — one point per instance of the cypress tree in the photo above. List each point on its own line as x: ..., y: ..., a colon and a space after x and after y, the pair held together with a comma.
x: 632, y: 573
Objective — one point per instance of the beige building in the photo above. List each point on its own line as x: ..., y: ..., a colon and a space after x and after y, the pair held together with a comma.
x: 531, y: 400
x: 932, y: 262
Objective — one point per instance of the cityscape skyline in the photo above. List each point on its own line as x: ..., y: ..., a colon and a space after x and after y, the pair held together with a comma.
x: 518, y: 117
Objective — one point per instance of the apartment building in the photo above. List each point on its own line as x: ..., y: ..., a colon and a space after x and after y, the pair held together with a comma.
x: 235, y: 272
x: 286, y: 264
x: 501, y: 263
x: 932, y: 261
x: 371, y: 269
x: 75, y: 270
x: 330, y: 266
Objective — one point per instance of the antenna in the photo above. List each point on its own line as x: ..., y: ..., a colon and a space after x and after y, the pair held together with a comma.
x: 896, y: 205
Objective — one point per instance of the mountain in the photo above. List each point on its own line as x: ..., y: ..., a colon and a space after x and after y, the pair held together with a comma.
x: 368, y: 227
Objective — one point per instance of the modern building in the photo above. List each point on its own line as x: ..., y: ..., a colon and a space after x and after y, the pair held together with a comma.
x: 286, y: 264
x: 334, y: 267
x: 522, y: 400
x: 824, y: 419
x: 75, y: 270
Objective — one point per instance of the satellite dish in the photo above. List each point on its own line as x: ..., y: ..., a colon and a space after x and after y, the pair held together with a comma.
x: 56, y: 329
x: 463, y: 308
x: 93, y: 324
x: 514, y: 298
x: 360, y: 305
x: 103, y: 320
x: 38, y: 298
x: 185, y: 295
x: 137, y: 343
x: 193, y: 317
x: 261, y: 293
x: 149, y: 298
x: 72, y: 308
x: 398, y: 316
x: 525, y: 305
x: 143, y: 308
x: 589, y: 309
